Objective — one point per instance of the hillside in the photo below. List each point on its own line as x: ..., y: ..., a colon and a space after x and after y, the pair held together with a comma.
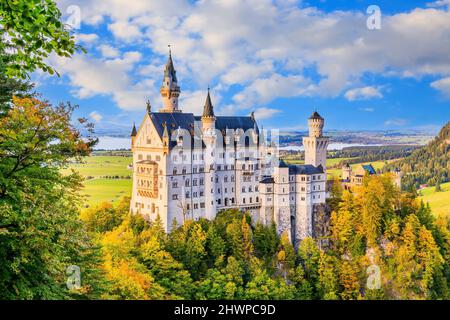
x: 428, y: 164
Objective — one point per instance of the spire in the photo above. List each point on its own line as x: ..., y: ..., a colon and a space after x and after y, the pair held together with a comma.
x: 170, y: 69
x: 134, y: 131
x: 208, y: 110
x: 165, y: 132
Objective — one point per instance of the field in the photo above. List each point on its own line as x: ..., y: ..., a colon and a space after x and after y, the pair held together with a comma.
x: 439, y: 201
x: 107, y: 178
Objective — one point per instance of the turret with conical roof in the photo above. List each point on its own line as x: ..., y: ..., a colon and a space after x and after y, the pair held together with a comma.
x: 133, y: 134
x: 315, y: 124
x: 208, y: 109
x: 208, y: 121
x: 170, y: 91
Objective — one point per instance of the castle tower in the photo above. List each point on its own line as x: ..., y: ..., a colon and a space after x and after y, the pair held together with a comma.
x: 398, y: 178
x: 170, y: 91
x: 209, y: 138
x: 346, y: 172
x: 316, y: 144
x: 208, y: 118
x: 133, y: 134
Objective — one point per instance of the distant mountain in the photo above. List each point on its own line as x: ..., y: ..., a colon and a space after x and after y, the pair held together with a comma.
x: 429, y: 164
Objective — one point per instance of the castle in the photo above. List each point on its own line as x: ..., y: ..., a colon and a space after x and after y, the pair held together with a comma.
x: 354, y: 176
x: 190, y: 167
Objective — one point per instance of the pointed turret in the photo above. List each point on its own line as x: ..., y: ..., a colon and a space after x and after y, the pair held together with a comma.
x: 134, y: 131
x: 165, y: 135
x: 208, y: 110
x: 133, y: 135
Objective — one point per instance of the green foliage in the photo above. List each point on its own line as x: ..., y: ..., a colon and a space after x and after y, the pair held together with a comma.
x: 33, y: 30
x: 40, y: 232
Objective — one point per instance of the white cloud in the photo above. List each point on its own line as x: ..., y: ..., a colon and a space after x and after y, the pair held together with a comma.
x: 97, y: 117
x: 367, y: 109
x: 109, y: 51
x: 265, y: 113
x: 110, y: 77
x: 264, y: 90
x: 395, y: 122
x: 363, y: 93
x: 125, y: 31
x: 443, y: 85
x: 87, y: 38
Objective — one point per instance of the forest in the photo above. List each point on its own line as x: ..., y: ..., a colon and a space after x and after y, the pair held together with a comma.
x: 427, y: 165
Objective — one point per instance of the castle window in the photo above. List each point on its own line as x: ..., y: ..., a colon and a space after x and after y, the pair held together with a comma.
x: 140, y: 156
x: 174, y: 171
x: 187, y: 195
x: 194, y: 182
x: 174, y: 197
x: 195, y: 205
x: 303, y: 178
x: 226, y: 190
x: 202, y: 193
x: 232, y: 167
x: 256, y: 188
x: 219, y: 167
x: 218, y: 201
x: 225, y: 179
x: 257, y: 199
x: 243, y: 189
x: 232, y: 178
x: 158, y: 158
x: 186, y: 183
x: 194, y: 170
x: 202, y: 204
x: 218, y: 190
x: 188, y: 206
x: 184, y: 171
x: 149, y: 157
x: 303, y: 188
x: 303, y: 198
x: 314, y: 177
x: 243, y: 200
x: 194, y: 195
x: 202, y: 181
x: 251, y: 200
x: 202, y: 169
x: 175, y: 184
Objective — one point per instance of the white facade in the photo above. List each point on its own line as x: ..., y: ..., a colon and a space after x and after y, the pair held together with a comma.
x: 191, y: 167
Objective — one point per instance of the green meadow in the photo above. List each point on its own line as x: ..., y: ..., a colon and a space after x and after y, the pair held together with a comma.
x: 439, y: 201
x: 107, y: 178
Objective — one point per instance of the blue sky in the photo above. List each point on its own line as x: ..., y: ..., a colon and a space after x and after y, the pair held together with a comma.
x: 282, y: 59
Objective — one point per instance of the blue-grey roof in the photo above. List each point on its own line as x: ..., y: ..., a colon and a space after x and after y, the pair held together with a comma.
x: 267, y: 180
x: 369, y: 169
x: 244, y: 123
x: 187, y: 121
x: 305, y: 169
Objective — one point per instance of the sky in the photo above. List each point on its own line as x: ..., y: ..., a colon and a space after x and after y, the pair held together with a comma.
x: 282, y: 59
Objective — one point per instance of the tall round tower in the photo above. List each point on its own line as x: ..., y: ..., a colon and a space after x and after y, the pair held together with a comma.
x: 316, y: 144
x: 315, y: 124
